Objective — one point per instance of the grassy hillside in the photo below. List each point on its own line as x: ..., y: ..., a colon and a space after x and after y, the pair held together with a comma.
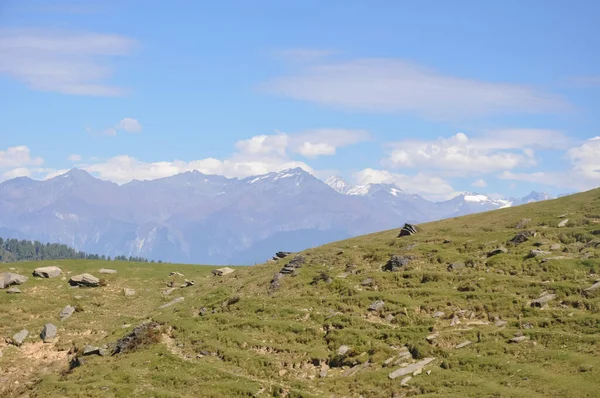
x: 244, y: 334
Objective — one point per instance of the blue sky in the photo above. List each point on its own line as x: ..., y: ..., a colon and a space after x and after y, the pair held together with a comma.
x: 439, y: 98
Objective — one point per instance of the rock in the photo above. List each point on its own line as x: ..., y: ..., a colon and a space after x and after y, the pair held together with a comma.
x: 188, y: 283
x: 75, y: 363
x: 432, y: 337
x: 13, y: 290
x: 389, y: 317
x: 500, y: 250
x: 537, y: 253
x: 168, y: 291
x: 455, y: 266
x: 66, y: 312
x: 407, y: 230
x: 19, y: 338
x: 107, y: 271
x: 9, y: 278
x: 343, y: 350
x: 175, y: 273
x: 355, y: 369
x: 555, y: 247
x: 47, y: 272
x: 522, y: 237
x: 464, y: 344
x: 404, y: 381
x: 455, y: 321
x: 438, y: 314
x: 596, y: 232
x: 368, y: 282
x: 543, y: 300
x: 396, y: 263
x: 222, y: 271
x: 86, y: 280
x: 592, y: 290
x: 518, y: 339
x: 170, y: 303
x: 203, y: 311
x: 139, y: 335
x: 128, y: 292
x: 282, y: 254
x: 410, y: 369
x: 377, y: 305
x: 91, y: 350
x: 563, y: 223
x: 323, y: 372
x: 500, y: 323
x: 48, y: 333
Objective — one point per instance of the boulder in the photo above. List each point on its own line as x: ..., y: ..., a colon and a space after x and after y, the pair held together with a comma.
x: 48, y: 333
x: 222, y: 271
x: 537, y: 253
x: 518, y: 339
x: 128, y: 292
x: 47, y: 272
x: 282, y: 254
x: 563, y: 223
x: 500, y: 250
x: 396, y: 263
x: 343, y: 350
x: 377, y: 305
x: 543, y: 300
x: 86, y: 280
x: 555, y: 246
x: 9, y: 278
x: 91, y: 350
x: 455, y: 266
x: 367, y: 282
x: 107, y: 271
x: 500, y: 323
x: 66, y: 312
x: 593, y: 290
x: 522, y: 237
x: 19, y: 338
x: 187, y: 283
x: 13, y: 290
x: 464, y: 344
x: 175, y: 273
x: 438, y: 314
x: 410, y: 369
x: 407, y: 230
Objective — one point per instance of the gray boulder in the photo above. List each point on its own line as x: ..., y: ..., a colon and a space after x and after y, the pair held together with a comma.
x: 66, y: 312
x: 396, y: 263
x: 407, y: 230
x: 563, y: 223
x: 377, y: 305
x: 48, y: 333
x: 86, y: 280
x: 537, y: 253
x: 9, y: 278
x: 107, y: 271
x: 455, y: 266
x: 13, y: 290
x: 20, y: 337
x: 343, y: 350
x: 47, y: 272
x: 91, y: 350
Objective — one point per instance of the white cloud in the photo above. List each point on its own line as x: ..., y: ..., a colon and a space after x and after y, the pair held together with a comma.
x: 460, y: 155
x: 74, y: 157
x: 430, y: 187
x: 393, y: 85
x: 479, y: 183
x: 66, y: 62
x: 18, y: 156
x: 586, y: 159
x: 130, y: 125
x: 264, y: 145
x: 317, y: 142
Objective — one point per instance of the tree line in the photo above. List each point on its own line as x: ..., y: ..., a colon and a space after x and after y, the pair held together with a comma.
x: 12, y: 250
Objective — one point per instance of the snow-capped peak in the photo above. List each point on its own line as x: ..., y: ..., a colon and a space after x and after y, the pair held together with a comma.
x: 369, y: 189
x: 486, y: 200
x: 338, y: 184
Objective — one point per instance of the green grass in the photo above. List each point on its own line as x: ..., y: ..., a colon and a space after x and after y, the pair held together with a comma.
x: 276, y: 342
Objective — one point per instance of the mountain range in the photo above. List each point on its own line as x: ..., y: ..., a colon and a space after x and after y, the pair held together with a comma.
x: 197, y: 218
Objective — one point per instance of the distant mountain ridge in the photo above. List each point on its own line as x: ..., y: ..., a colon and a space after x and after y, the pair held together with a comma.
x: 196, y: 218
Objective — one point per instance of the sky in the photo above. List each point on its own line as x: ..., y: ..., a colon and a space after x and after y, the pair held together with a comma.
x: 436, y: 97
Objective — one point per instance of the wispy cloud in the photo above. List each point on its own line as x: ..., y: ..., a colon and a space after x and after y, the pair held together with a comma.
x: 67, y: 62
x: 398, y: 86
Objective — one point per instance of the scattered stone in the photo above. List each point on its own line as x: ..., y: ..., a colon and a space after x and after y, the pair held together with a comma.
x: 368, y: 282
x: 175, y: 273
x: 527, y: 325
x: 404, y: 381
x: 107, y: 271
x: 222, y: 271
x: 128, y: 292
x: 170, y: 303
x: 432, y: 337
x: 500, y: 250
x: 188, y: 283
x: 91, y: 350
x: 518, y: 339
x: 343, y: 350
x: 536, y: 253
x: 66, y: 312
x: 592, y: 290
x: 556, y: 246
x: 389, y: 318
x: 438, y: 314
x: 47, y: 272
x: 523, y: 223
x: 563, y: 223
x: 455, y: 321
x: 395, y: 263
x: 539, y: 302
x: 20, y: 337
x: 84, y: 280
x: 355, y: 369
x: 464, y: 344
x: 410, y: 368
x: 48, y: 333
x: 522, y: 237
x: 455, y: 266
x: 446, y: 241
x: 9, y: 278
x: 13, y: 290
x: 203, y: 311
x: 407, y: 230
x: 75, y: 363
x: 377, y: 305
x: 500, y: 323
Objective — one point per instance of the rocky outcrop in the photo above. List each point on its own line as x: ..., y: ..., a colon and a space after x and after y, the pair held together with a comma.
x: 410, y: 369
x: 222, y: 271
x: 84, y: 280
x: 407, y: 230
x: 522, y: 237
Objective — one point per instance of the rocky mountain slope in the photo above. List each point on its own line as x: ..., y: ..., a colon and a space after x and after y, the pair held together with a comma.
x: 502, y: 303
x: 197, y: 218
